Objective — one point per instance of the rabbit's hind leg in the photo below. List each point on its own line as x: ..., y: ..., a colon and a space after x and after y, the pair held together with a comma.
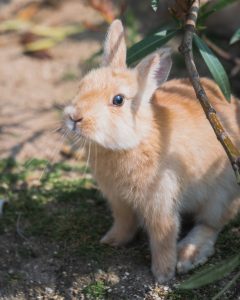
x: 196, y: 247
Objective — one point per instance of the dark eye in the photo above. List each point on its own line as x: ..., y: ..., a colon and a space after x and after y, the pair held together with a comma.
x: 118, y: 100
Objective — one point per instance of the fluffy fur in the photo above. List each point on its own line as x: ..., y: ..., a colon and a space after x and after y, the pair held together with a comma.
x: 157, y: 156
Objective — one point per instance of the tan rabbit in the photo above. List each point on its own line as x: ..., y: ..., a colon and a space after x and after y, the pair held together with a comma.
x: 156, y: 156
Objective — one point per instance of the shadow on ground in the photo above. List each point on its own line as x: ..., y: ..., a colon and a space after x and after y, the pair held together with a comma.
x: 50, y: 232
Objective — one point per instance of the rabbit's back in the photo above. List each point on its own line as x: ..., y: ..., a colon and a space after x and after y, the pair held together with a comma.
x: 189, y: 147
x: 179, y: 97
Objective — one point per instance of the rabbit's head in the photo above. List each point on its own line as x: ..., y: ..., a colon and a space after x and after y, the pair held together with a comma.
x: 112, y: 106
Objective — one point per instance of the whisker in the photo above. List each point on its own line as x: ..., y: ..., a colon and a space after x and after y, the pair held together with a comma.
x: 58, y: 146
x: 82, y: 146
x: 96, y: 156
x: 89, y: 153
x: 76, y: 140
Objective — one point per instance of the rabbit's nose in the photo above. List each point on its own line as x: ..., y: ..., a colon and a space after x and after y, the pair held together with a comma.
x: 75, y: 120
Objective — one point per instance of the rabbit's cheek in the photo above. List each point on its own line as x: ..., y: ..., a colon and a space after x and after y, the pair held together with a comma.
x: 87, y: 128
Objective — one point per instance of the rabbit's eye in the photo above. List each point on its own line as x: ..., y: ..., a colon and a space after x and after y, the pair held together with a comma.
x: 118, y: 100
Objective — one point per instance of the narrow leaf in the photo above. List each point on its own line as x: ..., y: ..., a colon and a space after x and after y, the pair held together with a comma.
x: 214, y: 66
x: 212, y: 274
x: 149, y: 45
x: 218, y: 5
x: 235, y: 37
x: 229, y: 284
x: 154, y: 4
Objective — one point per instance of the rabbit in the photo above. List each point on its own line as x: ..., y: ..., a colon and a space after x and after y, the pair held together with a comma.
x: 156, y: 157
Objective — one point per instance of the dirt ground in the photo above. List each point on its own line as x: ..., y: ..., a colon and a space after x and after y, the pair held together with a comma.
x: 33, y: 91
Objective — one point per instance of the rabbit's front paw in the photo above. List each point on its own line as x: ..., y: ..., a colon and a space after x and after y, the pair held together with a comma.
x: 116, y: 236
x: 163, y: 277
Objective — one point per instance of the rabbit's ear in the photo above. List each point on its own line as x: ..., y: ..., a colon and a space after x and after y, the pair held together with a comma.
x: 153, y: 70
x: 114, y: 54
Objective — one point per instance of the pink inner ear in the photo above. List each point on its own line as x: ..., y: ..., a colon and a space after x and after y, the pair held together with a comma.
x: 163, y: 69
x: 115, y: 46
x: 116, y: 55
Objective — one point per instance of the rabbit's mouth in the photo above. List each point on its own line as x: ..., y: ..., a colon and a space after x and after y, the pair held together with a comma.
x: 72, y: 120
x: 71, y: 125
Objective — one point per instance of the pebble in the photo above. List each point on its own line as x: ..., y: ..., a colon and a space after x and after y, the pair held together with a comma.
x: 90, y: 201
x: 49, y: 290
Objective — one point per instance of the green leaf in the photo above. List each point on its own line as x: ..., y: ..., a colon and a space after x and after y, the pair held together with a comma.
x: 214, y: 66
x: 148, y: 45
x: 235, y: 37
x: 229, y: 284
x: 154, y: 4
x: 212, y: 274
x: 218, y: 5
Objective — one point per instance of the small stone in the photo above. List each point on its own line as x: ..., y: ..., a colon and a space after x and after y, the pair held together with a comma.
x: 49, y: 290
x: 90, y: 201
x: 11, y: 271
x: 113, y: 278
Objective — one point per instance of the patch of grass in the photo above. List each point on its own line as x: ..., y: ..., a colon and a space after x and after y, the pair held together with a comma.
x: 70, y: 211
x: 96, y: 290
x: 180, y: 295
x: 15, y: 277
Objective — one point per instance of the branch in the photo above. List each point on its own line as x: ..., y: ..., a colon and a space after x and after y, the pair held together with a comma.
x: 186, y: 49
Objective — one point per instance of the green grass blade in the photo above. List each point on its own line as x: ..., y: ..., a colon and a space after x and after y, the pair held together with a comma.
x: 154, y: 4
x: 235, y: 37
x: 212, y: 274
x: 214, y: 66
x: 148, y: 45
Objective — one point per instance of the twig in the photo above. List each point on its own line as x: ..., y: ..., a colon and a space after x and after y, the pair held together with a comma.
x: 186, y: 49
x: 224, y: 54
x: 19, y: 231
